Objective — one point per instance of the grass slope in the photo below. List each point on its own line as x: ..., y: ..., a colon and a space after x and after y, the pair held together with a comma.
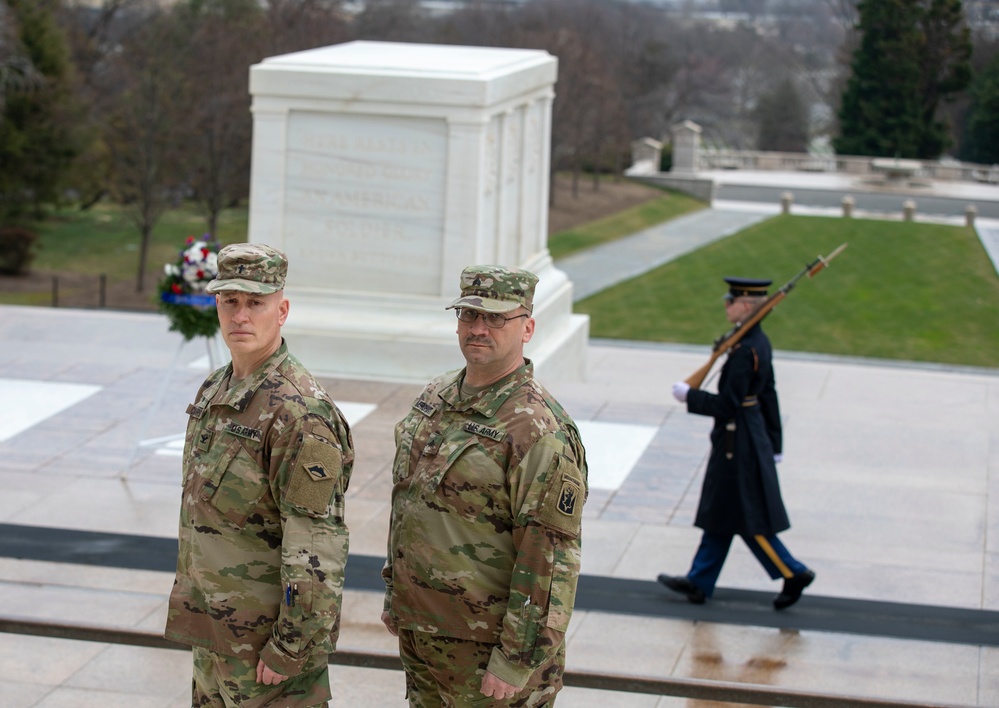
x: 901, y: 290
x: 104, y: 240
x: 669, y: 206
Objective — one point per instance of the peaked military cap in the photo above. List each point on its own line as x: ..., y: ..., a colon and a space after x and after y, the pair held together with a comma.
x: 492, y: 288
x: 250, y: 268
x: 747, y: 286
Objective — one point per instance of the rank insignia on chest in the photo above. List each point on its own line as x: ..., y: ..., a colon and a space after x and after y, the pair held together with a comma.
x: 567, y: 498
x: 317, y: 472
x: 204, y: 440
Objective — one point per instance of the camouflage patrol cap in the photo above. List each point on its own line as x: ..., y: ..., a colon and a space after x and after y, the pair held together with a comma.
x: 250, y: 268
x: 492, y: 288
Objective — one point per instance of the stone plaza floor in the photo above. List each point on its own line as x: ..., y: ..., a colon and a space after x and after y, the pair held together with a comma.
x: 890, y: 476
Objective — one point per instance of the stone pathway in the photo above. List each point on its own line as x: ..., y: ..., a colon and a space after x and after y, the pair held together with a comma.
x: 601, y: 267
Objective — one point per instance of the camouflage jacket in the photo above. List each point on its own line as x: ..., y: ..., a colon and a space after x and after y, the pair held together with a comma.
x: 263, y: 541
x: 487, y: 500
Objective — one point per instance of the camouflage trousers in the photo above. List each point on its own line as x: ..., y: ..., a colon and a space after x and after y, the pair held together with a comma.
x: 445, y: 672
x: 227, y: 682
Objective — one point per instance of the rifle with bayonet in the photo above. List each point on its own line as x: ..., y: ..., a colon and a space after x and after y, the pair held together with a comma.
x: 728, y: 340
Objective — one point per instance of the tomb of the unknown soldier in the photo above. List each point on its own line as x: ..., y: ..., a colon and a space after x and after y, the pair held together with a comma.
x: 382, y: 170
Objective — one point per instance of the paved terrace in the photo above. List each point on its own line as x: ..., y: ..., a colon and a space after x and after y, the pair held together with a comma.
x: 891, y: 478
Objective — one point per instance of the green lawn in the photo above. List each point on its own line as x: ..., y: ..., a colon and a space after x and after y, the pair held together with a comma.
x: 103, y: 240
x: 901, y: 290
x: 669, y: 206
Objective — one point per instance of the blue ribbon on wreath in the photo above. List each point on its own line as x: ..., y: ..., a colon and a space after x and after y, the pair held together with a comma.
x: 195, y: 300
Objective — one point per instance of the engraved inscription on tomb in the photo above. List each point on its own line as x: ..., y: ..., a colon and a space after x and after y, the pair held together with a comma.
x: 365, y: 201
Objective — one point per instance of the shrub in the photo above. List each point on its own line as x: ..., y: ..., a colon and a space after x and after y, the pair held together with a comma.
x: 666, y: 158
x: 16, y: 249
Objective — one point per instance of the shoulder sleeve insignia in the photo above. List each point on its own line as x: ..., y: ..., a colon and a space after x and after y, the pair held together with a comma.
x: 485, y: 431
x: 317, y: 472
x: 567, y: 497
x: 314, y: 477
x: 562, y: 505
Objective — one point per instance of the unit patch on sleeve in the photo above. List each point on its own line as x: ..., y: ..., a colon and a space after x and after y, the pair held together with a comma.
x: 562, y: 504
x: 567, y: 498
x: 313, y: 479
x: 317, y: 472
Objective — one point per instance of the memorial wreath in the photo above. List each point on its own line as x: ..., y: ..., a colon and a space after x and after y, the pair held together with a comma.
x: 182, y: 290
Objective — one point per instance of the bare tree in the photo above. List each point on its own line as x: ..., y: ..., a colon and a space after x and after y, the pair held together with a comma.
x: 392, y: 20
x: 294, y: 25
x: 143, y: 132
x: 217, y: 127
x: 95, y: 33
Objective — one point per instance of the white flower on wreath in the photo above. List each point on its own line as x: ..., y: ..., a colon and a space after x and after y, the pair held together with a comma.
x: 200, y: 265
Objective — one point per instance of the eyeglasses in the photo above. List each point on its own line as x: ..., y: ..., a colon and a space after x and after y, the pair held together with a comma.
x: 493, y: 320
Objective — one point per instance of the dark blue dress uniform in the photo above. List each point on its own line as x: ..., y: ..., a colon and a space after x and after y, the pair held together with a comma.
x: 741, y: 494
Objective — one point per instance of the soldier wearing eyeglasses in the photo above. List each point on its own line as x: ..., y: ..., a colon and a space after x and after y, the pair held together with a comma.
x: 489, y: 481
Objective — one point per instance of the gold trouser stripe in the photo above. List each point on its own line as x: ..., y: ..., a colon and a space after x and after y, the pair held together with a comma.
x: 772, y: 554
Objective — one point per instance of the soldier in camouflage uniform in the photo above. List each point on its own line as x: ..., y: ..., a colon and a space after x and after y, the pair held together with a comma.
x: 263, y: 543
x: 484, y: 545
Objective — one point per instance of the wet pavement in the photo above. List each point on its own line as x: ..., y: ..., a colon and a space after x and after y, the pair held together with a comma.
x: 891, y: 479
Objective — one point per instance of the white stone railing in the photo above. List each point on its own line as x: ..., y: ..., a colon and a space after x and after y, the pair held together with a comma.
x: 950, y: 170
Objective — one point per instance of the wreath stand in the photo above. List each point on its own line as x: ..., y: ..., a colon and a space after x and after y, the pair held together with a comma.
x: 218, y: 355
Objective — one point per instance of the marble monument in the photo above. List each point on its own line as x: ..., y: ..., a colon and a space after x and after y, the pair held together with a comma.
x: 382, y: 169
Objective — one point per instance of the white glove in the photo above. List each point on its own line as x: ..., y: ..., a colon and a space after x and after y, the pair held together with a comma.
x: 778, y: 458
x: 680, y: 389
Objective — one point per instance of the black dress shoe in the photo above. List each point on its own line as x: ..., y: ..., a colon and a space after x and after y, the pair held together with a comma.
x: 793, y: 587
x: 682, y: 585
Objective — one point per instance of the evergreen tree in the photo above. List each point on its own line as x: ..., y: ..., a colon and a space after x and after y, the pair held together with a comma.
x: 38, y: 140
x: 913, y: 55
x: 17, y: 73
x: 981, y: 136
x: 782, y: 119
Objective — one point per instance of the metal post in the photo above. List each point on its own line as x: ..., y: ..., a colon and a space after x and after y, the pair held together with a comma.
x: 102, y: 297
x: 55, y: 291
